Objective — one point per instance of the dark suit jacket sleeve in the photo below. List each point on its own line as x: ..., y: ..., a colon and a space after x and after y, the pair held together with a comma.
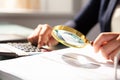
x: 86, y: 18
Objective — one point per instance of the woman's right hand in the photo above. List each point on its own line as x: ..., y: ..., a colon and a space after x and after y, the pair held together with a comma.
x: 42, y: 36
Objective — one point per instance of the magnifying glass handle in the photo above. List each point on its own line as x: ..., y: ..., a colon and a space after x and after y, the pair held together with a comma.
x: 104, y: 43
x: 91, y: 42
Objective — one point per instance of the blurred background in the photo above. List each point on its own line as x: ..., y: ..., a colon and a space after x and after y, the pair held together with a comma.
x: 30, y: 13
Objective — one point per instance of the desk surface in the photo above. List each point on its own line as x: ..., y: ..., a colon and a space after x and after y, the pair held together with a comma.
x: 53, y: 66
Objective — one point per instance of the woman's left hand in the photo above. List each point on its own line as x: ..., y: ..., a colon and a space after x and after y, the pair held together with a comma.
x: 108, y: 43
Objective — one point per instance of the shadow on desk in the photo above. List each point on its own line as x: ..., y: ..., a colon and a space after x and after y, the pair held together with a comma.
x: 6, y: 76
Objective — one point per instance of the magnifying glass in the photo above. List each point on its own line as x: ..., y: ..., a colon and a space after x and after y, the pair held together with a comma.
x: 73, y: 38
x: 69, y: 36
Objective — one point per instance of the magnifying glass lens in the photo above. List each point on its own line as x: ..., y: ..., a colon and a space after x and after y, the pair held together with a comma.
x: 69, y: 36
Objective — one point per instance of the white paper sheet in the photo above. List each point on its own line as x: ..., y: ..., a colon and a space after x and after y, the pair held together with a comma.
x: 58, y: 65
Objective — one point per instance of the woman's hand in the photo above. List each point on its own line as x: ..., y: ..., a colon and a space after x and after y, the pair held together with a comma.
x: 42, y: 36
x: 108, y: 43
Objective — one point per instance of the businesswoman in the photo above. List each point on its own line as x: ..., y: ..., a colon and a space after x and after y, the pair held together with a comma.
x: 96, y: 11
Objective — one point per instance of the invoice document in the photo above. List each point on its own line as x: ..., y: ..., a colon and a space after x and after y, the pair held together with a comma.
x: 63, y: 64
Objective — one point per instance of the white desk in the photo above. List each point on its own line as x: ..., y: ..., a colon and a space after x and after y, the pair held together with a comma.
x: 53, y: 66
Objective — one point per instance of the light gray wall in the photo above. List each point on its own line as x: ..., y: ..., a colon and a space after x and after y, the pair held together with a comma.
x: 33, y: 19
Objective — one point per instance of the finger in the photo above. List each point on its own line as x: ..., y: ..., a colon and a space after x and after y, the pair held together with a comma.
x: 118, y: 38
x: 110, y: 47
x: 107, y: 52
x: 33, y: 38
x: 102, y: 39
x: 44, y: 35
x: 52, y: 42
x: 45, y: 50
x: 113, y: 54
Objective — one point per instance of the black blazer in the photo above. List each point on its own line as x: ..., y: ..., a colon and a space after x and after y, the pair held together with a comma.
x: 96, y: 11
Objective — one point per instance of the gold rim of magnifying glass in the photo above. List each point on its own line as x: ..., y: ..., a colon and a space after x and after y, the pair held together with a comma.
x: 73, y: 31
